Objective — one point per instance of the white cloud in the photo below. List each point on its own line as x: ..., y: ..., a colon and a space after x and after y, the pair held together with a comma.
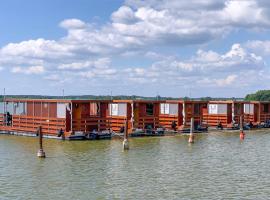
x: 205, y: 69
x: 101, y: 63
x: 229, y: 80
x: 147, y: 29
x: 29, y: 70
x: 73, y: 24
x: 260, y: 47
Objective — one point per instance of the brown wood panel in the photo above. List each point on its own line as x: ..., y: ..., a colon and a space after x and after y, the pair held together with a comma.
x: 30, y: 109
x: 52, y: 110
x: 37, y: 109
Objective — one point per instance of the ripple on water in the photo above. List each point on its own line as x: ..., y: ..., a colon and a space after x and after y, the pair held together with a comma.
x: 217, y: 166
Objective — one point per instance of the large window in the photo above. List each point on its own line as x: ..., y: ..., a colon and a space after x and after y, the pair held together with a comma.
x: 94, y: 109
x: 249, y: 108
x: 61, y: 110
x: 217, y: 108
x: 118, y: 109
x: 168, y: 109
x: 20, y: 108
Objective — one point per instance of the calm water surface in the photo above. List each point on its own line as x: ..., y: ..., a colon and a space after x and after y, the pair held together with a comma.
x: 217, y: 166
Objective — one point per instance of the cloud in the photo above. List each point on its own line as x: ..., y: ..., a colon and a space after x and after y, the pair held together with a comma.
x: 206, y: 68
x: 149, y: 31
x: 28, y: 70
x: 101, y: 63
x: 73, y: 24
x: 259, y: 46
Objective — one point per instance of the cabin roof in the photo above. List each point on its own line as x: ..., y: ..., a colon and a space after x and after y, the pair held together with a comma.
x: 54, y: 100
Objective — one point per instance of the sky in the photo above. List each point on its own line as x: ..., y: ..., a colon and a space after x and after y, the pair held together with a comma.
x: 176, y: 48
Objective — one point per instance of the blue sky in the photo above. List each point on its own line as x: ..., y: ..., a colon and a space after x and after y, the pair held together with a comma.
x: 176, y: 48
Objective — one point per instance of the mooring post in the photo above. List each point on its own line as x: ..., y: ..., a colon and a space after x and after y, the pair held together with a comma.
x: 242, y: 134
x: 40, y: 153
x: 191, y: 135
x: 125, y: 142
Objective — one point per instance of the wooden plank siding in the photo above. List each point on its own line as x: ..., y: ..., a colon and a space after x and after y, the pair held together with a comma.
x: 38, y: 113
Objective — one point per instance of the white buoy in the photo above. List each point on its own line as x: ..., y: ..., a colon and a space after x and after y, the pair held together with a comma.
x: 41, y: 153
x: 125, y: 144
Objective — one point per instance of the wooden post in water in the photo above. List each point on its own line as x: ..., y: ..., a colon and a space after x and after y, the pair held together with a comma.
x: 125, y: 142
x: 242, y: 134
x: 191, y: 135
x: 40, y: 153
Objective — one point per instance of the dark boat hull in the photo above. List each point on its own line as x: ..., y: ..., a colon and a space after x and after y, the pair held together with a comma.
x: 98, y: 136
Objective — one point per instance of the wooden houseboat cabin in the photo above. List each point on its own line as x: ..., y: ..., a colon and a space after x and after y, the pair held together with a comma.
x: 226, y: 113
x: 264, y: 112
x: 26, y: 115
x: 252, y: 112
x: 141, y: 114
x: 176, y: 115
x: 257, y: 112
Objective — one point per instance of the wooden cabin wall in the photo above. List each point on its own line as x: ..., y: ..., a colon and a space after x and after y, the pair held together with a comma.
x: 195, y: 110
x: 45, y: 109
x: 37, y: 114
x: 252, y: 117
x: 144, y: 119
x: 264, y: 112
x: 37, y: 109
x: 180, y: 115
x: 85, y: 121
x: 116, y: 123
x: 229, y: 114
x: 213, y: 120
x: 166, y: 120
x: 238, y: 111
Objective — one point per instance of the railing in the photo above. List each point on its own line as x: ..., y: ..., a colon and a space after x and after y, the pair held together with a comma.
x: 264, y: 117
x: 143, y: 121
x: 31, y: 123
x: 166, y: 121
x: 214, y: 119
x: 114, y: 123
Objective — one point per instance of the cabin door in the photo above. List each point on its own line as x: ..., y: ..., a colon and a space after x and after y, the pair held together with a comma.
x: 77, y: 115
x: 136, y: 115
x: 229, y: 114
x: 256, y: 112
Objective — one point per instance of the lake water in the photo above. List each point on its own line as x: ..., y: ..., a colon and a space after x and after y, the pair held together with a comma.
x: 217, y: 166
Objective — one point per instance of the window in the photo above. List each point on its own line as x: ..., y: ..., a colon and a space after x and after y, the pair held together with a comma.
x: 9, y: 108
x: 217, y: 108
x: 118, y: 109
x: 249, y: 108
x: 2, y: 107
x: 149, y: 109
x: 61, y: 110
x: 94, y: 109
x: 165, y: 108
x: 168, y: 109
x: 20, y: 108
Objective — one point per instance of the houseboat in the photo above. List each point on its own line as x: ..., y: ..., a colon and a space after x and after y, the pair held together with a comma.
x: 176, y: 115
x: 224, y: 114
x: 142, y: 116
x: 54, y: 116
